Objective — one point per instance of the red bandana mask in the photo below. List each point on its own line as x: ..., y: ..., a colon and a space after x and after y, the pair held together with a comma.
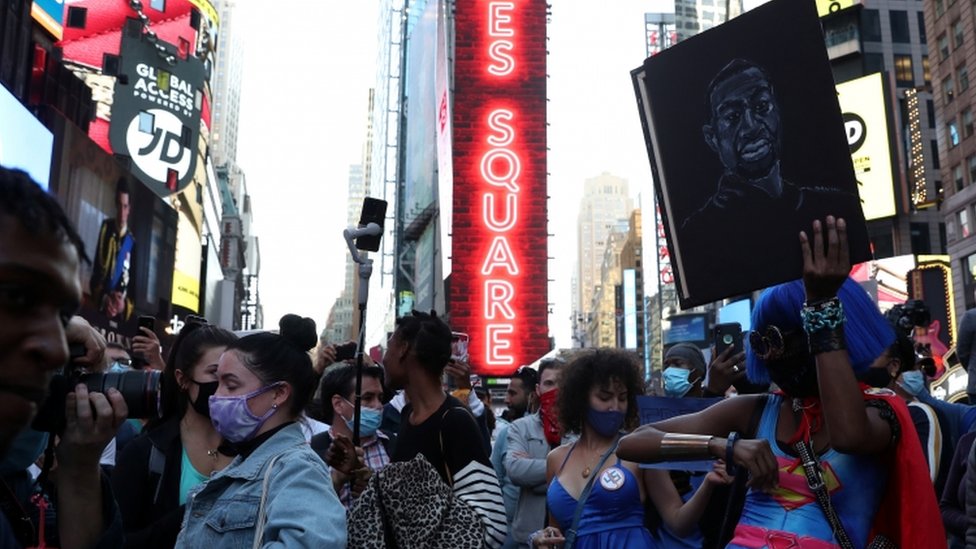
x: 550, y: 419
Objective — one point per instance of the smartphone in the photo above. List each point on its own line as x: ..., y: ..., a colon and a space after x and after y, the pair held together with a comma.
x: 374, y: 211
x: 459, y: 346
x: 345, y: 351
x: 146, y: 321
x: 726, y: 335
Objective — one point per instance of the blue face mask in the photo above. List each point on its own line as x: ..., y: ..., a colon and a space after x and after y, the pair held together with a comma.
x: 606, y: 423
x: 369, y: 421
x: 26, y: 447
x: 676, y: 384
x: 913, y: 382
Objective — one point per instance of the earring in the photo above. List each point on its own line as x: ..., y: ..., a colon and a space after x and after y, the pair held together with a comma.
x: 274, y: 406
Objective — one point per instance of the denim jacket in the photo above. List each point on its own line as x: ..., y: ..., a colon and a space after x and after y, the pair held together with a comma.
x: 302, y: 508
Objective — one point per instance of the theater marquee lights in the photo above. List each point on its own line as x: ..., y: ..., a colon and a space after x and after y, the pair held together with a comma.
x: 498, y: 287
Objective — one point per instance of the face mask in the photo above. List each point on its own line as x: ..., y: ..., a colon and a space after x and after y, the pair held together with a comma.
x: 676, y: 384
x: 204, y: 391
x: 118, y: 367
x: 369, y: 420
x: 797, y: 381
x: 547, y: 411
x: 913, y: 382
x: 876, y: 377
x: 606, y: 423
x: 24, y: 450
x: 232, y: 418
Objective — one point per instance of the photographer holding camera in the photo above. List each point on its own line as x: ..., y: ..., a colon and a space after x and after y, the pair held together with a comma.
x: 40, y: 255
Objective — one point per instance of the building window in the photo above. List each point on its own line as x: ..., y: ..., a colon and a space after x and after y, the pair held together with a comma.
x: 957, y: 177
x: 926, y: 70
x: 943, y: 47
x: 957, y: 35
x: 904, y: 75
x: 952, y: 133
x: 921, y: 243
x: 873, y: 62
x: 921, y: 27
x: 930, y: 112
x: 939, y: 7
x: 969, y: 280
x: 964, y: 229
x: 948, y: 89
x: 963, y: 75
x: 967, y: 122
x: 871, y: 23
x: 899, y: 26
x: 934, y: 148
x: 971, y: 163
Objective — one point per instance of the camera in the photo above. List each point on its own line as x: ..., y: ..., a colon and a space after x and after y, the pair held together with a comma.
x: 346, y: 351
x: 905, y: 317
x: 139, y: 389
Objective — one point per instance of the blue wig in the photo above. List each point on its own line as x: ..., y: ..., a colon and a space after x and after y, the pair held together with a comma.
x: 867, y: 332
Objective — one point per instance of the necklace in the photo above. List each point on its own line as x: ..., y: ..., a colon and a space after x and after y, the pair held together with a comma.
x: 588, y: 469
x: 212, y: 453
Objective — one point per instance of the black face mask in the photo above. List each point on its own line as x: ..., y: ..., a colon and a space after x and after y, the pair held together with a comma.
x: 796, y: 380
x: 876, y: 377
x: 206, y: 390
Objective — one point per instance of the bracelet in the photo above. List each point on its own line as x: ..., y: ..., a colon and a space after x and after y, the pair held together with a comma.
x: 827, y: 313
x: 827, y: 340
x: 681, y: 446
x: 730, y: 467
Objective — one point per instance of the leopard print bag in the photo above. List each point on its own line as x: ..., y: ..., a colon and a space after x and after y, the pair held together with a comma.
x: 408, y: 506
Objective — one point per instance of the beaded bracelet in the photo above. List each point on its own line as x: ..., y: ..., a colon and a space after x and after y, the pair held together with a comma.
x: 825, y: 314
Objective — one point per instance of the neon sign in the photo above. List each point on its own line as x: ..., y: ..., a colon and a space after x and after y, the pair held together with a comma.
x: 498, y: 288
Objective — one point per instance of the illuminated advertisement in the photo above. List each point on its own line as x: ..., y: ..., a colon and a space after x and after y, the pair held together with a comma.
x: 445, y: 165
x: 690, y: 328
x: 499, y: 286
x: 885, y: 279
x: 826, y: 7
x: 25, y: 144
x: 630, y: 308
x: 863, y: 103
x: 50, y: 15
x: 738, y: 311
x: 931, y: 282
x: 156, y: 113
x: 128, y: 233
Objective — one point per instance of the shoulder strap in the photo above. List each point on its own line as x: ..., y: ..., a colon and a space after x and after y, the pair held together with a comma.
x: 262, y: 517
x: 815, y: 481
x: 440, y: 436
x: 570, y: 535
x: 157, y: 464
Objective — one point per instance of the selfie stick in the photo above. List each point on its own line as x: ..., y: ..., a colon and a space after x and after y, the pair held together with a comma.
x: 365, y: 270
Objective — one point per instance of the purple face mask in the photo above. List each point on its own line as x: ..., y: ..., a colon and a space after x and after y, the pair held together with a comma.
x: 232, y: 418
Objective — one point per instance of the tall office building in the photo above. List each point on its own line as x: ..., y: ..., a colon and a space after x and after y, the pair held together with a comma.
x: 890, y: 36
x: 226, y: 86
x: 606, y: 202
x: 341, y: 324
x: 949, y: 26
x: 694, y: 16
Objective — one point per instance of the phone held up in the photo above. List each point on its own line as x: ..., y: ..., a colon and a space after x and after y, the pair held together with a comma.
x: 346, y: 351
x: 145, y: 321
x: 726, y: 335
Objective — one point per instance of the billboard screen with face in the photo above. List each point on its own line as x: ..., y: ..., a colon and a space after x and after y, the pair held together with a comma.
x: 498, y: 289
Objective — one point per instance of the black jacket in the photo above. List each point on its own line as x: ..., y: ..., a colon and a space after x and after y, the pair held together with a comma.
x: 147, y: 486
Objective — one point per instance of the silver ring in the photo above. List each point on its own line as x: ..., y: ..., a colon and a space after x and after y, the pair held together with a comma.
x: 735, y: 368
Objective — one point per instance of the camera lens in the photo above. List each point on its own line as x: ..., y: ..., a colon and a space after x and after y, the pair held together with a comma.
x: 139, y: 388
x: 727, y: 339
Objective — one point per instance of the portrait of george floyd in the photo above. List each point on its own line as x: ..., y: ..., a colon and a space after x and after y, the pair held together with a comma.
x: 748, y: 147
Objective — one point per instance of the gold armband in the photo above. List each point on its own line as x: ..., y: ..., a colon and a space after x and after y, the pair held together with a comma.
x: 680, y: 446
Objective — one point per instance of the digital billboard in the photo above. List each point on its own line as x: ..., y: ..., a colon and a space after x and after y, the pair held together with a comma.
x: 630, y: 308
x: 499, y: 277
x: 827, y: 7
x: 738, y: 311
x: 25, y: 144
x: 128, y: 231
x: 690, y: 328
x: 864, y: 106
x: 50, y: 15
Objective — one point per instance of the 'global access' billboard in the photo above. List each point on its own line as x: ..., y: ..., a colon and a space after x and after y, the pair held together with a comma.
x: 499, y: 276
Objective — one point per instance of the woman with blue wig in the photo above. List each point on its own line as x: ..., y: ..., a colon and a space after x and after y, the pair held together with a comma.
x: 831, y: 463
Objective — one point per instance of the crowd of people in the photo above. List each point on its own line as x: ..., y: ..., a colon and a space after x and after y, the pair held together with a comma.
x: 822, y: 434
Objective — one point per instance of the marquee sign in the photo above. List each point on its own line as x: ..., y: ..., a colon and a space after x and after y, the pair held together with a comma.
x: 499, y: 281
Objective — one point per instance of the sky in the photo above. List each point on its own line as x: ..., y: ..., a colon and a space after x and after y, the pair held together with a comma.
x: 303, y: 120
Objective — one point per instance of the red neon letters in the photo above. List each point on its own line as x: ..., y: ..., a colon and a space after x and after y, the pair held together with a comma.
x: 498, y: 288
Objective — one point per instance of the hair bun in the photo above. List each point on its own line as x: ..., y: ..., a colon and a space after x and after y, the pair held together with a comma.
x: 298, y: 331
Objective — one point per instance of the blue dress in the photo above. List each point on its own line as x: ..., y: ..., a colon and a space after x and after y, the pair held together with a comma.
x: 611, y: 518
